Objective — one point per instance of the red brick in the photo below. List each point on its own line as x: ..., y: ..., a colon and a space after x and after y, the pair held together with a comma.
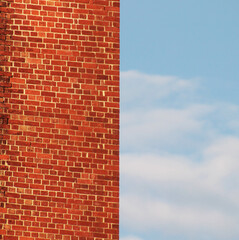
x: 58, y: 128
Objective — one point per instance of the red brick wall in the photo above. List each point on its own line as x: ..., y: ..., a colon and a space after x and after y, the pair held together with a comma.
x: 4, y: 95
x: 59, y: 86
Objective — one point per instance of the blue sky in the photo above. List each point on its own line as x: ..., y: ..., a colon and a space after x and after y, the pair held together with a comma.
x: 179, y: 120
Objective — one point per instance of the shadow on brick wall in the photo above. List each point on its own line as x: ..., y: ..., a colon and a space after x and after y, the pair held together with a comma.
x: 4, y: 116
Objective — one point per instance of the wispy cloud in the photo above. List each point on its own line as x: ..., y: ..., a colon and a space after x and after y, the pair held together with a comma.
x: 130, y: 238
x: 140, y: 90
x: 163, y: 128
x: 179, y: 164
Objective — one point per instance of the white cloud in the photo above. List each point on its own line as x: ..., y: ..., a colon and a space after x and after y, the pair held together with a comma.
x: 172, y: 219
x: 148, y: 125
x: 175, y: 194
x: 163, y: 128
x: 179, y: 161
x: 139, y: 89
x: 130, y: 238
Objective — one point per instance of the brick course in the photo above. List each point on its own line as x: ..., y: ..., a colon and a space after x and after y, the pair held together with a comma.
x: 59, y: 103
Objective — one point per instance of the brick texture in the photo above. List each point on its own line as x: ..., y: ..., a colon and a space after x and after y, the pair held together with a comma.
x: 59, y: 119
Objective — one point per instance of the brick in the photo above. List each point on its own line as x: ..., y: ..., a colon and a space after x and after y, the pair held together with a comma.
x: 59, y: 119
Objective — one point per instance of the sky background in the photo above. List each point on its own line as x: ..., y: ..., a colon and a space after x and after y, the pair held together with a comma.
x: 179, y: 120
